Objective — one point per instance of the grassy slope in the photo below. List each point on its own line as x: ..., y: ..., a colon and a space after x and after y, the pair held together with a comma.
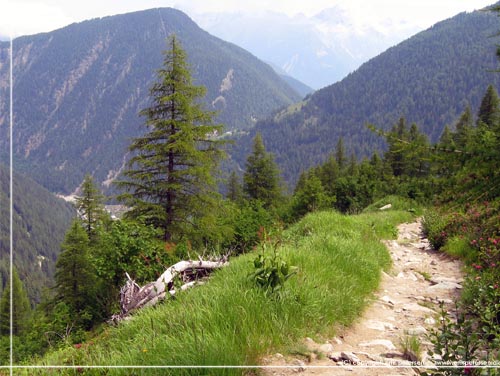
x: 230, y: 322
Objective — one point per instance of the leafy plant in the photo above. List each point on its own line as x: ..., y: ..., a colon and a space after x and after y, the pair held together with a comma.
x: 271, y: 270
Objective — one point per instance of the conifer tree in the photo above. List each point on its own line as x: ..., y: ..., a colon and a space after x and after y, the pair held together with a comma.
x: 75, y: 276
x: 90, y: 206
x: 489, y: 111
x: 21, y: 309
x: 340, y: 153
x: 234, y: 188
x: 261, y: 180
x: 171, y: 176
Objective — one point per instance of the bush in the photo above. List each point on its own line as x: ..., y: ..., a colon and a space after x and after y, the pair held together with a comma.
x: 434, y: 227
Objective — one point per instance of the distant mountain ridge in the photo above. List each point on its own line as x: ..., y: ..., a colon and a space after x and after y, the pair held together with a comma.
x: 78, y: 91
x: 429, y: 79
x: 317, y: 50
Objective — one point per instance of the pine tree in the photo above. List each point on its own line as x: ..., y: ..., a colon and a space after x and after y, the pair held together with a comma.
x: 261, y: 180
x: 234, y: 188
x: 172, y: 173
x: 309, y: 195
x: 340, y: 153
x: 21, y: 310
x: 396, y: 155
x: 90, y: 206
x: 75, y: 276
x: 489, y: 111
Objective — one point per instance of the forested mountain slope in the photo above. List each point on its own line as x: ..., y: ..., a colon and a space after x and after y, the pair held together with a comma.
x: 40, y: 221
x: 429, y: 79
x: 78, y: 90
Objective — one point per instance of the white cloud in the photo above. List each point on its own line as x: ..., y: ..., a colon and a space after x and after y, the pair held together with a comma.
x: 24, y: 17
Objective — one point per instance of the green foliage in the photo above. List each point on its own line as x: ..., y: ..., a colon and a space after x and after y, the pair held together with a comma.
x: 75, y: 277
x: 171, y: 175
x: 40, y: 221
x: 132, y: 247
x: 249, y: 219
x: 454, y: 343
x: 414, y: 79
x: 215, y: 324
x: 271, y: 270
x: 261, y: 180
x: 90, y: 206
x: 123, y: 50
x: 434, y: 227
x: 21, y: 310
x: 309, y: 196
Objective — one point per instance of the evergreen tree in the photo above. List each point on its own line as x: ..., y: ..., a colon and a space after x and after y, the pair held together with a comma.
x: 171, y: 175
x: 463, y: 129
x: 261, y: 180
x: 75, y: 276
x: 309, y: 195
x: 328, y: 173
x: 234, y: 188
x: 90, y: 206
x: 340, y: 153
x: 396, y: 155
x: 21, y: 309
x: 488, y: 114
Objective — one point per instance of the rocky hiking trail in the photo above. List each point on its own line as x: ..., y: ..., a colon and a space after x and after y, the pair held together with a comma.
x: 405, y: 305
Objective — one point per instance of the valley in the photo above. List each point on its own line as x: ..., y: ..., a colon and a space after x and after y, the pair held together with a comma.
x: 205, y: 152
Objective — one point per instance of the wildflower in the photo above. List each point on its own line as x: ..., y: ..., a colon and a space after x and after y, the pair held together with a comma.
x: 144, y: 350
x: 77, y: 345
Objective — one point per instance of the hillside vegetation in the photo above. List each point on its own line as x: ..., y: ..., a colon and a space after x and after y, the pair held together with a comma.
x: 428, y: 79
x: 78, y: 91
x: 40, y: 221
x: 339, y: 260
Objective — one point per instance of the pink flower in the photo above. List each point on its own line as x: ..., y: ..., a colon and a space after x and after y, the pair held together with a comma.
x: 77, y: 345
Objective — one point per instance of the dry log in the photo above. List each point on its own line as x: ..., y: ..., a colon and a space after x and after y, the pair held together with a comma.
x: 133, y: 297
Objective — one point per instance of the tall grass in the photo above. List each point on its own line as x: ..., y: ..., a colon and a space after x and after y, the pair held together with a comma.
x: 230, y: 321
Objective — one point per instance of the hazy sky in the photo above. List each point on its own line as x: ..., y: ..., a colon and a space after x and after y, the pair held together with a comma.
x: 21, y: 17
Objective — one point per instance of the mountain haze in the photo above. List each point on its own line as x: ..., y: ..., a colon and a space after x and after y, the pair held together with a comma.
x: 429, y: 79
x: 318, y: 50
x: 78, y: 91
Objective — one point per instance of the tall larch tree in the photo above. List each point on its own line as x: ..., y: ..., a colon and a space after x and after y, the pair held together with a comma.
x: 171, y: 176
x: 261, y: 180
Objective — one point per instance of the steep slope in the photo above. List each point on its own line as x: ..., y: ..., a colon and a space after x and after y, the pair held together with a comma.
x: 40, y: 221
x: 318, y: 50
x: 78, y: 90
x: 429, y: 79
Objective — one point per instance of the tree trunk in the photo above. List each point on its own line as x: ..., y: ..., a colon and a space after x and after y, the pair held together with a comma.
x: 133, y: 297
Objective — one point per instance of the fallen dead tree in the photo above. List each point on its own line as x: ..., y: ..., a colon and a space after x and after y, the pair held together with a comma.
x: 189, y: 273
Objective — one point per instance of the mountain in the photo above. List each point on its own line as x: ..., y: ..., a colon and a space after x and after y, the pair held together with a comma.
x: 301, y: 88
x: 40, y: 220
x: 318, y: 50
x: 78, y: 91
x: 429, y: 79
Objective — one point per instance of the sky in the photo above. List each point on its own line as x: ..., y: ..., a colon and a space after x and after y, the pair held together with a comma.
x: 23, y: 17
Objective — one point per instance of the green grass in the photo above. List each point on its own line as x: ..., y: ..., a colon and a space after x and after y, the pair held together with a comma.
x: 398, y: 203
x: 459, y: 247
x: 229, y: 321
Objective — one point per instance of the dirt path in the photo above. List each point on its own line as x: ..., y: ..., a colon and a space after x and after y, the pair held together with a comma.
x: 406, y: 305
